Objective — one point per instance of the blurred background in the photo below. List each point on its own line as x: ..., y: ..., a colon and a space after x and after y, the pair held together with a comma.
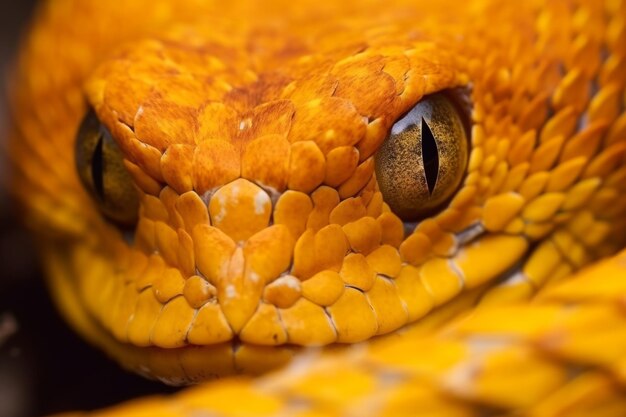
x: 44, y: 367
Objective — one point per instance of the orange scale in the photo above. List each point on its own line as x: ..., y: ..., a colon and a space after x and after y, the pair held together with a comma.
x: 385, y: 260
x: 215, y: 163
x: 359, y: 179
x: 412, y: 292
x: 122, y: 311
x: 391, y: 312
x: 347, y: 211
x: 440, y: 279
x: 340, y: 164
x: 373, y: 93
x: 500, y: 210
x: 603, y: 199
x: 464, y: 197
x: 265, y: 160
x: 150, y: 274
x: 617, y: 130
x: 169, y: 284
x: 375, y: 133
x: 141, y: 323
x: 392, y: 229
x: 307, y: 166
x: 192, y: 210
x: 144, y: 182
x: 397, y: 67
x: 198, y: 291
x: 145, y: 235
x: 186, y: 91
x: 416, y: 248
x: 304, y: 263
x: 125, y: 94
x: 445, y: 245
x: 605, y: 105
x: 325, y: 199
x: 217, y: 121
x: 534, y: 185
x: 613, y: 71
x: 357, y: 272
x: 264, y: 327
x: 375, y: 205
x: 616, y: 179
x: 292, y: 209
x: 167, y: 243
x: 142, y: 154
x: 522, y: 148
x: 368, y: 191
x: 310, y: 87
x: 273, y: 118
x: 240, y: 209
x: 561, y: 124
x: 350, y: 305
x: 564, y: 175
x: 176, y: 167
x: 268, y: 252
x: 585, y: 142
x: 283, y: 292
x: 497, y: 178
x: 137, y: 263
x: 343, y: 125
x: 195, y: 60
x: 573, y: 90
x: 430, y: 228
x: 606, y: 161
x: 209, y: 326
x: 502, y: 147
x: 169, y: 197
x: 186, y: 259
x: 316, y: 330
x: 364, y: 234
x: 172, y: 325
x: 331, y: 247
x: 323, y: 288
x: 150, y: 64
x: 213, y: 250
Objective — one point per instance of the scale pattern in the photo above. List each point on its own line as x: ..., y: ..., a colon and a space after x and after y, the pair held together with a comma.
x: 250, y: 134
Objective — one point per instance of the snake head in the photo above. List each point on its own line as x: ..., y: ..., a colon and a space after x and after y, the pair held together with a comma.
x: 283, y: 184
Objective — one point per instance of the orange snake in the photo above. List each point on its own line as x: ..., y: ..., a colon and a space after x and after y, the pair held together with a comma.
x: 241, y: 144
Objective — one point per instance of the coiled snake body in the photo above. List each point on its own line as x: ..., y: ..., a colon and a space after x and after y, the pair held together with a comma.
x: 256, y: 183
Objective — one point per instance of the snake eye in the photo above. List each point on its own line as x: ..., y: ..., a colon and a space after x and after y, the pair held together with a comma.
x: 421, y: 164
x: 100, y: 166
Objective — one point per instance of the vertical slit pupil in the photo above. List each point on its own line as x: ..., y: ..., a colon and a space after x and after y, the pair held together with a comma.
x: 430, y: 156
x: 97, y: 167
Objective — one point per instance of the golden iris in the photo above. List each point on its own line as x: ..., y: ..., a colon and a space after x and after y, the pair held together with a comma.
x: 422, y: 162
x: 100, y: 166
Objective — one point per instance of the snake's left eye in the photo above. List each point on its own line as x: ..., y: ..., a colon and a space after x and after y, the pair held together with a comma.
x: 100, y: 166
x: 422, y: 162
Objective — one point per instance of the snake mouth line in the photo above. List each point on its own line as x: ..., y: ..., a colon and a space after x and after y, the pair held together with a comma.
x: 194, y: 363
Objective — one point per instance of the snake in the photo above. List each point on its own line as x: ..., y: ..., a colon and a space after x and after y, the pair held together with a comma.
x: 357, y: 208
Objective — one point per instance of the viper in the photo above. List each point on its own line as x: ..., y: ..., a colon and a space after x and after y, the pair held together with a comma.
x: 365, y: 208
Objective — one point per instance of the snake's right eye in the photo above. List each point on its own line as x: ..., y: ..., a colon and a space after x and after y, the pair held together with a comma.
x: 100, y: 166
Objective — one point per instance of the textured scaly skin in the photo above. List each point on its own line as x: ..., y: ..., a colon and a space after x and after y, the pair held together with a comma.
x: 249, y: 131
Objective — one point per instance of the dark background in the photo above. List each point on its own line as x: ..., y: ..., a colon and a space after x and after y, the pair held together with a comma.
x: 44, y: 367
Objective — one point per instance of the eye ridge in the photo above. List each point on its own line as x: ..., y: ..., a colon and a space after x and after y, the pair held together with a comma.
x: 430, y: 156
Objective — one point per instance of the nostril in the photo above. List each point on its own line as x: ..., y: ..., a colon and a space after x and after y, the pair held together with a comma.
x: 240, y: 209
